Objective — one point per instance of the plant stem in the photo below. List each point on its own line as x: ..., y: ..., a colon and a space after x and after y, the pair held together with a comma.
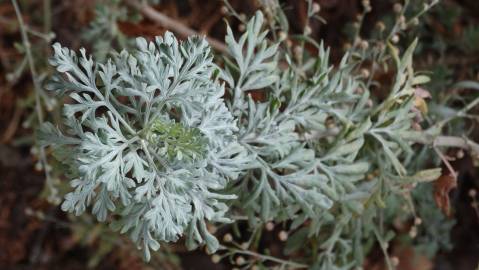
x: 38, y: 89
x: 266, y: 257
x: 47, y: 16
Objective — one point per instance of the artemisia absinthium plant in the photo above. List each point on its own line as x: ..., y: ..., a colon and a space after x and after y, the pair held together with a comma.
x: 153, y: 146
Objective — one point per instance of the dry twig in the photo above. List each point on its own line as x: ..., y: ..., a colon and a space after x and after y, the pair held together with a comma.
x: 172, y: 24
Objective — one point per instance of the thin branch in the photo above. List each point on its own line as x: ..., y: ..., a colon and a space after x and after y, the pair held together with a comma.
x: 468, y: 107
x: 172, y: 24
x: 446, y: 162
x: 263, y: 257
x: 47, y: 36
x: 458, y: 142
x: 460, y: 113
x: 38, y: 89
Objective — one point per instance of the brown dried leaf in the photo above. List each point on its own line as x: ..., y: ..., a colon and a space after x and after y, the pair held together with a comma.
x: 442, y: 186
x: 421, y: 105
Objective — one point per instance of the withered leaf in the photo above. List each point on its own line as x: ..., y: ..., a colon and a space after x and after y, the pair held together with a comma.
x: 442, y: 186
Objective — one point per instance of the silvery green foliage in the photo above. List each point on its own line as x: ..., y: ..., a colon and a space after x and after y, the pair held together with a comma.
x: 285, y: 178
x: 315, y: 136
x: 147, y: 137
x: 287, y: 132
x: 103, y: 31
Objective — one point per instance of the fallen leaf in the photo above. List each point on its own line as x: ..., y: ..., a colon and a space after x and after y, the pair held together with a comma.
x: 442, y: 186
